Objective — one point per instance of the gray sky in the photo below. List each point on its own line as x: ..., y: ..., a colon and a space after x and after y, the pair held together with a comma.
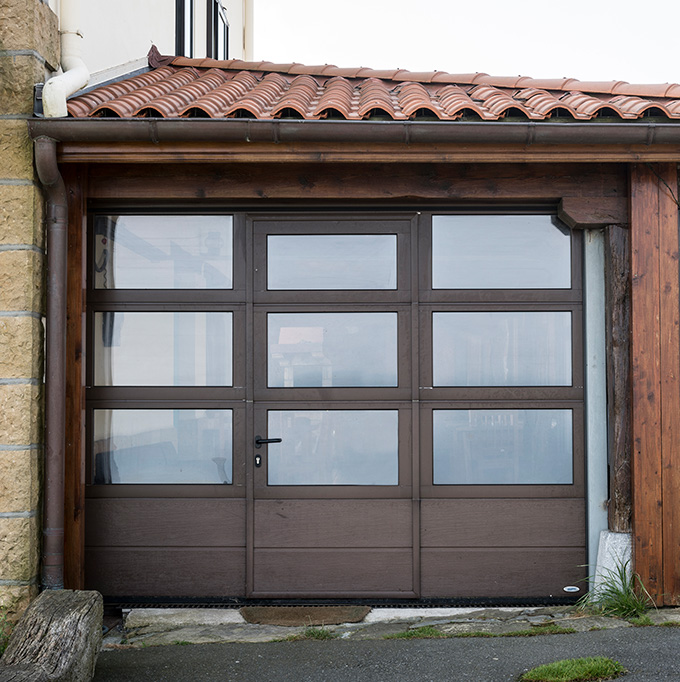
x: 628, y: 40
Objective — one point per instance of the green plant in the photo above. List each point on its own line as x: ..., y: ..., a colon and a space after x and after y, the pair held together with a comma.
x: 575, y: 670
x: 640, y: 621
x: 533, y: 632
x: 311, y: 633
x: 619, y: 593
x: 425, y: 632
x: 431, y: 632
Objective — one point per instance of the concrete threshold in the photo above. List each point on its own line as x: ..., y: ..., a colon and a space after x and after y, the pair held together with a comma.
x: 156, y: 627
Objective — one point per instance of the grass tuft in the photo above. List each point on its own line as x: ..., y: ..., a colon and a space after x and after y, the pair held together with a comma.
x: 425, y: 632
x: 621, y: 594
x: 535, y: 631
x: 431, y: 632
x: 310, y: 633
x: 640, y: 621
x: 575, y: 670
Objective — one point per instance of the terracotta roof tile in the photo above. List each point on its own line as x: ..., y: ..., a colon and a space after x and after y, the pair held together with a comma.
x: 183, y: 87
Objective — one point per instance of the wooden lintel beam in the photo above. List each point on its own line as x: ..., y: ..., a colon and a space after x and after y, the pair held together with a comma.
x: 261, y: 152
x: 593, y: 212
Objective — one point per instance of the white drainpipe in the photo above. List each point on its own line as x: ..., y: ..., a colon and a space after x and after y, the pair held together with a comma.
x: 75, y: 74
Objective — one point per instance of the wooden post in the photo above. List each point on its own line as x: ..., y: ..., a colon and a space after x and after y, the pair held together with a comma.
x: 655, y: 352
x: 617, y: 260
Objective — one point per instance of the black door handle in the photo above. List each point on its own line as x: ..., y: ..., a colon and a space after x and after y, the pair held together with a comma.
x: 259, y: 442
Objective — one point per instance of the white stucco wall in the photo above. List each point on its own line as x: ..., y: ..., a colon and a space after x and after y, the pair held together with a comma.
x: 121, y: 32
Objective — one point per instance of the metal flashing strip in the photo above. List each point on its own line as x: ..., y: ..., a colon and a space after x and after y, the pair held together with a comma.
x: 20, y: 382
x: 23, y: 53
x: 595, y: 356
x: 18, y: 515
x: 238, y: 602
x: 18, y: 448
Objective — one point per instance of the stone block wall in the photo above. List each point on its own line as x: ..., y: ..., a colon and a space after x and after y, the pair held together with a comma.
x: 29, y: 45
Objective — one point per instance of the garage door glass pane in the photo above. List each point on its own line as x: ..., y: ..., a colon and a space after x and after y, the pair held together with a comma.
x: 163, y: 252
x: 162, y: 446
x: 333, y: 447
x: 500, y: 252
x: 163, y: 349
x: 502, y: 447
x: 501, y: 349
x: 332, y: 262
x: 332, y: 349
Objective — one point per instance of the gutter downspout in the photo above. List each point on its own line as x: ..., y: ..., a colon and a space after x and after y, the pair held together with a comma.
x: 55, y: 362
x: 75, y: 74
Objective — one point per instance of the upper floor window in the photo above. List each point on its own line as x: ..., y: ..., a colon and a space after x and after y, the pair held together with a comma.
x: 217, y: 36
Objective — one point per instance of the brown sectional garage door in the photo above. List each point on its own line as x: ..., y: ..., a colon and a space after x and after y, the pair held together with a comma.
x: 334, y: 405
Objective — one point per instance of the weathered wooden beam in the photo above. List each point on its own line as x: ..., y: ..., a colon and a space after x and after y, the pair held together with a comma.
x: 617, y: 293
x: 353, y: 152
x: 655, y: 351
x: 593, y: 212
x: 57, y: 639
x: 669, y: 293
x: 646, y: 363
x: 372, y: 182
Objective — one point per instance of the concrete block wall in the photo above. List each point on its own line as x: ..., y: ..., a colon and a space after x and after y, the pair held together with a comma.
x: 29, y: 51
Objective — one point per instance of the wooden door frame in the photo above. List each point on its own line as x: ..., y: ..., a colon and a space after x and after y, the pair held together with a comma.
x: 480, y: 183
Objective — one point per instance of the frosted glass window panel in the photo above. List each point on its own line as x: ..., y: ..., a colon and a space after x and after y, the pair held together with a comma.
x: 331, y: 262
x: 333, y: 447
x: 332, y: 349
x: 163, y: 252
x: 499, y: 252
x: 502, y: 349
x: 162, y: 446
x: 163, y: 349
x: 502, y: 447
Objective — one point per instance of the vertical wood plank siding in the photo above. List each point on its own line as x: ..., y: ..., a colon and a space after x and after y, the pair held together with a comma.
x: 670, y: 372
x: 74, y: 493
x: 655, y: 352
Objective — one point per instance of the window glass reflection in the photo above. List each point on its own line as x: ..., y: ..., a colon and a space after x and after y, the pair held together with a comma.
x: 500, y: 252
x: 162, y: 446
x: 332, y: 261
x: 163, y: 349
x: 163, y: 252
x: 501, y: 349
x: 333, y: 447
x: 502, y: 447
x: 332, y: 349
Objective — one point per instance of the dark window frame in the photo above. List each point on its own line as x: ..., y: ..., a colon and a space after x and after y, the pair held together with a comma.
x: 250, y: 301
x: 184, y: 30
x: 217, y: 30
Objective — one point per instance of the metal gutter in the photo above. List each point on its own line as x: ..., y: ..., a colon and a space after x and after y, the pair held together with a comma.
x: 158, y: 130
x: 55, y: 377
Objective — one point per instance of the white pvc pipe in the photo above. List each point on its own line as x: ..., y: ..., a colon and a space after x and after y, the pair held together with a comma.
x: 75, y: 74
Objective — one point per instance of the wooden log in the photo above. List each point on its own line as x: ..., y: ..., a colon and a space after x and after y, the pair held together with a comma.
x: 617, y: 294
x: 57, y: 639
x: 593, y: 212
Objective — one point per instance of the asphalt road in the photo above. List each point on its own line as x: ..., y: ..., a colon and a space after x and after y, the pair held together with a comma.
x: 650, y: 654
